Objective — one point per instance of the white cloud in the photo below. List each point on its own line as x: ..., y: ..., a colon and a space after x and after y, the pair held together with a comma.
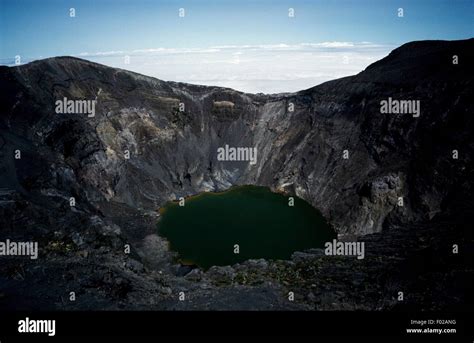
x: 102, y: 53
x: 267, y: 68
x: 330, y: 44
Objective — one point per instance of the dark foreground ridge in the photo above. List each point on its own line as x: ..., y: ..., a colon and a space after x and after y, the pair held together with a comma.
x: 408, y: 248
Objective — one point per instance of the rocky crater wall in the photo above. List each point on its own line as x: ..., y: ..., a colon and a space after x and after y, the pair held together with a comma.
x: 172, y: 132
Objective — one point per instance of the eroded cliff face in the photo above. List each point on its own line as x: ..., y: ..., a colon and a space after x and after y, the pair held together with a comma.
x: 300, y: 138
x: 172, y: 132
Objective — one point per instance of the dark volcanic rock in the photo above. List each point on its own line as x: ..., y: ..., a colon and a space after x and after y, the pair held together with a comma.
x: 174, y: 153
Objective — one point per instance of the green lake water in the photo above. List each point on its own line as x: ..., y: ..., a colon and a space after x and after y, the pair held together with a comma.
x: 206, y: 229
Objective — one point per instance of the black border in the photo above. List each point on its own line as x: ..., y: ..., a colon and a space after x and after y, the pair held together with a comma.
x: 231, y: 323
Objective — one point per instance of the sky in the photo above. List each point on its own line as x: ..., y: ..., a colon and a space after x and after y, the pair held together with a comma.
x: 253, y: 46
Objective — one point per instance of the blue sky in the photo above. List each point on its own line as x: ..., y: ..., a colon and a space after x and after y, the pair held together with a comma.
x: 105, y: 31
